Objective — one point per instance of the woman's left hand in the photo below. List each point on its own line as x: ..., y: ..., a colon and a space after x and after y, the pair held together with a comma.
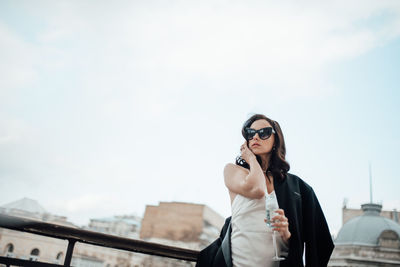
x: 282, y: 226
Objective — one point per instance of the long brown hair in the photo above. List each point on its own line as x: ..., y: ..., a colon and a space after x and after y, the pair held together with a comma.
x: 278, y: 165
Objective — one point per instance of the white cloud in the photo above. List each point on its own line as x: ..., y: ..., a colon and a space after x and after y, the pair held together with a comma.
x: 121, y: 66
x: 150, y: 47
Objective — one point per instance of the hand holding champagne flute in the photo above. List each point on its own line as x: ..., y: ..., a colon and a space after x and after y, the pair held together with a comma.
x: 271, y: 206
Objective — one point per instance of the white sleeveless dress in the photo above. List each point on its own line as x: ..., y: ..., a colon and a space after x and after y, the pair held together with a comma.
x: 251, y: 238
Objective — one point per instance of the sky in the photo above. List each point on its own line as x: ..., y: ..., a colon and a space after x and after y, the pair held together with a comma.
x: 108, y: 107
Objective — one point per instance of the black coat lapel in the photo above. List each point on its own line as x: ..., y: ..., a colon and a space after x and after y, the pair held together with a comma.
x: 280, y: 192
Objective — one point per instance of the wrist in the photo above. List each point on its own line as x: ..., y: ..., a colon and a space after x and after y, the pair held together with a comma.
x: 252, y: 160
x: 286, y: 237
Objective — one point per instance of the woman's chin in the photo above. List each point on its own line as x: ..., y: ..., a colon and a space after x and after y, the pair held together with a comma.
x: 260, y: 153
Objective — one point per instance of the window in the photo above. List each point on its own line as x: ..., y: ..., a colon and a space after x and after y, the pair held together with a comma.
x: 9, y: 251
x: 59, y: 257
x: 389, y: 239
x: 34, y: 254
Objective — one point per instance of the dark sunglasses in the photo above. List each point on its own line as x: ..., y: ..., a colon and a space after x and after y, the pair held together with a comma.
x: 263, y: 133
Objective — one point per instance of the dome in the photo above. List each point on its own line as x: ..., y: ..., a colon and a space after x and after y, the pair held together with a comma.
x: 368, y: 229
x: 25, y: 204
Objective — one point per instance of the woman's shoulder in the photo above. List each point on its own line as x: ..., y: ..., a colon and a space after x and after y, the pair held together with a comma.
x: 231, y: 167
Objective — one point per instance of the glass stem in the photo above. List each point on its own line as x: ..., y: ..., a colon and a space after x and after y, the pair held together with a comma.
x: 274, y: 243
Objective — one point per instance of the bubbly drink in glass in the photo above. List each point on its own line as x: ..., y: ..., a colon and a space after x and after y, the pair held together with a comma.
x: 271, y: 205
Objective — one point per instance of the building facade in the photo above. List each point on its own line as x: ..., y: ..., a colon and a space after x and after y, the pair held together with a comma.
x: 180, y: 224
x: 192, y: 225
x: 368, y: 237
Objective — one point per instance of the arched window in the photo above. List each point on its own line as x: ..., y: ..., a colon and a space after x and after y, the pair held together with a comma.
x: 34, y: 254
x: 59, y: 257
x: 9, y: 251
x: 389, y: 239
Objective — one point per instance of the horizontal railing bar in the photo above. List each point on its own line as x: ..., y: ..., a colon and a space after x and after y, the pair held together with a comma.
x: 18, y: 262
x: 95, y: 238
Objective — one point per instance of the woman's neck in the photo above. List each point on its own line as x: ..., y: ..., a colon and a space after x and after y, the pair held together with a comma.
x: 265, y: 161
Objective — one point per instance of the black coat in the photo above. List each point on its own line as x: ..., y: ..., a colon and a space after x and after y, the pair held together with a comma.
x: 307, y: 225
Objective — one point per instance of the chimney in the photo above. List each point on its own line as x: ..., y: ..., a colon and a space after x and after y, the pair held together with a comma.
x: 395, y: 215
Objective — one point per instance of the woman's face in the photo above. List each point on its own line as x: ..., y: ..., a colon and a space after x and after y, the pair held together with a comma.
x: 257, y: 145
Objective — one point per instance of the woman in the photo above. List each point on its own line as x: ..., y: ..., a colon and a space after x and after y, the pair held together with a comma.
x: 245, y: 240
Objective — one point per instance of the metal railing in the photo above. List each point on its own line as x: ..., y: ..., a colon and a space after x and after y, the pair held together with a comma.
x: 74, y: 235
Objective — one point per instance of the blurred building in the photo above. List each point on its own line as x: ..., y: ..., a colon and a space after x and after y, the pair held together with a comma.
x: 348, y: 213
x: 29, y: 246
x: 126, y: 225
x: 368, y: 237
x: 186, y: 225
x: 178, y: 224
x: 40, y: 248
x: 31, y: 209
x: 192, y: 225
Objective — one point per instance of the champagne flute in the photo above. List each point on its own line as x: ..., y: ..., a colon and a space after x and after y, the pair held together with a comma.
x: 271, y: 205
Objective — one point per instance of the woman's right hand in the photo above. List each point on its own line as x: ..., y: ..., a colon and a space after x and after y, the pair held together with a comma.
x: 246, y: 153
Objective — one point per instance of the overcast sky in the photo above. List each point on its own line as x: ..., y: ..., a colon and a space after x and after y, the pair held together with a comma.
x: 108, y: 107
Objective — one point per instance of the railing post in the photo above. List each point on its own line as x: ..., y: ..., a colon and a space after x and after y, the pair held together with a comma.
x: 70, y: 250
